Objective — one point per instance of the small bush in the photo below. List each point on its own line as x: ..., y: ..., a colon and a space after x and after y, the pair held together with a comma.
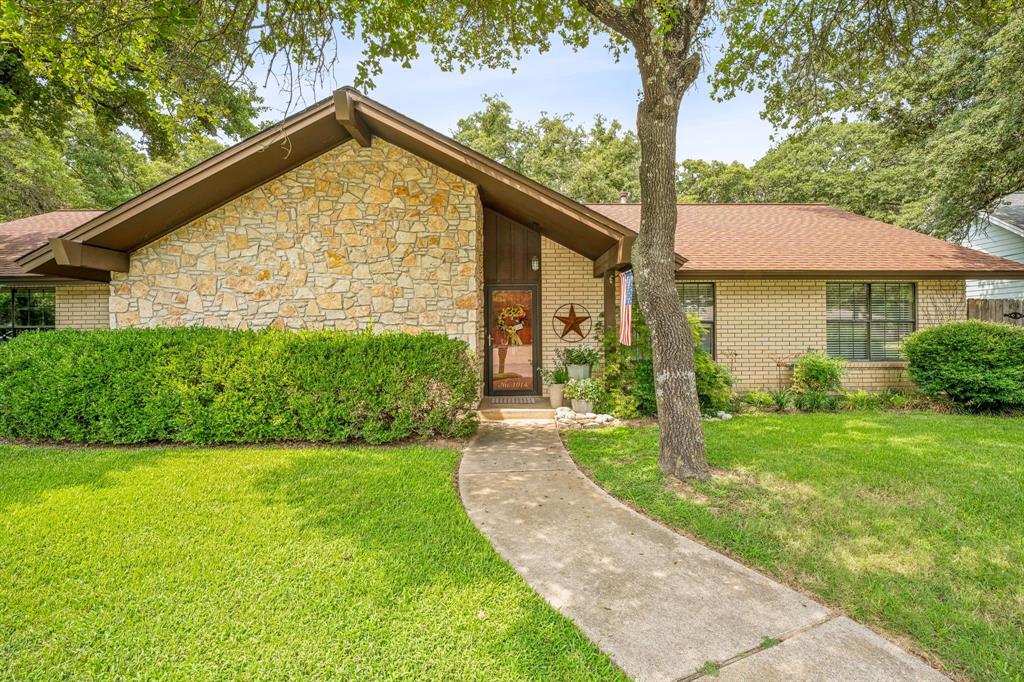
x: 978, y: 365
x: 862, y: 400
x: 782, y: 398
x: 196, y: 385
x: 816, y: 401
x: 817, y: 372
x: 629, y: 371
x: 762, y: 400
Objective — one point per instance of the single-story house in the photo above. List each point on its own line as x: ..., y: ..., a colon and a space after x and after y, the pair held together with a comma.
x: 1000, y: 233
x: 348, y: 214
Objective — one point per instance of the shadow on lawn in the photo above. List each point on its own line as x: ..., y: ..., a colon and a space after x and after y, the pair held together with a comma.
x: 389, y: 502
x: 28, y: 472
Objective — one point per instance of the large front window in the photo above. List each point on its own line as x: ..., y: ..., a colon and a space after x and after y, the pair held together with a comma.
x: 868, y: 321
x: 699, y: 299
x: 25, y: 310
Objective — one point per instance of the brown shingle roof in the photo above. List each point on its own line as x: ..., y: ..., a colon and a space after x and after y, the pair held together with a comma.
x: 751, y: 240
x: 18, y: 237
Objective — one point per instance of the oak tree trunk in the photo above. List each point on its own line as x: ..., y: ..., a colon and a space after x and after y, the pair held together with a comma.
x: 682, y: 451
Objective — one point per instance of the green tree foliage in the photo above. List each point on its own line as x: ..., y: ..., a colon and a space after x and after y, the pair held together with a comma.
x: 715, y: 182
x: 90, y: 167
x: 855, y: 166
x: 165, y: 69
x: 34, y: 176
x: 944, y: 80
x: 588, y: 164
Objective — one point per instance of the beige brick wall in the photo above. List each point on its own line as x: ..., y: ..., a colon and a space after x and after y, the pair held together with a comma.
x: 567, y: 277
x: 82, y: 306
x: 353, y: 238
x: 77, y: 305
x: 762, y: 324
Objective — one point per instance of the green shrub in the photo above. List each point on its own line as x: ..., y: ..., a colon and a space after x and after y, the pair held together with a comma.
x: 782, y: 398
x: 978, y: 365
x: 818, y: 372
x: 629, y: 371
x: 816, y: 401
x: 196, y: 385
x: 862, y: 400
x: 762, y: 400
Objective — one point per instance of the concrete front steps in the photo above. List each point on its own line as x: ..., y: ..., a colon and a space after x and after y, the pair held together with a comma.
x: 498, y: 409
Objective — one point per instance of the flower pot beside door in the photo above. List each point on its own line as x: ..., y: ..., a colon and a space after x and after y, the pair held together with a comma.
x: 556, y: 379
x: 578, y: 360
x: 585, y: 394
x: 582, y: 407
x: 578, y: 371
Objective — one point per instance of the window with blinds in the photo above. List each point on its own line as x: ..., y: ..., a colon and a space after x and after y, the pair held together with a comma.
x: 867, y: 321
x: 698, y: 299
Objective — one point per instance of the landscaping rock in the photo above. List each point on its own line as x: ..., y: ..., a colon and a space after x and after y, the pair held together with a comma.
x: 565, y: 417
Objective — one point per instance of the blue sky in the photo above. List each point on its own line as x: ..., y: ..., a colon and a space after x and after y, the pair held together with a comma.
x: 561, y: 81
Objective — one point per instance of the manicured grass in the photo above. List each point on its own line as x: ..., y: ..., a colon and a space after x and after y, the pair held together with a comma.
x: 261, y: 564
x: 910, y: 522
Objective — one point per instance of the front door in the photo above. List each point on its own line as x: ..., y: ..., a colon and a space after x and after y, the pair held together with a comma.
x: 512, y: 350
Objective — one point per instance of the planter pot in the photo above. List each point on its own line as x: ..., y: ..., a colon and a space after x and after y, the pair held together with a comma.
x: 578, y: 371
x: 582, y: 407
x: 555, y: 394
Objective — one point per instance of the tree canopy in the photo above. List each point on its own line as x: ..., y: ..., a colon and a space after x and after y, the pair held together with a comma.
x: 90, y: 166
x: 855, y: 166
x: 590, y: 164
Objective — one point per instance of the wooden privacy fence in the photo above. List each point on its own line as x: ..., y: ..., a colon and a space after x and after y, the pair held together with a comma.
x: 1005, y: 310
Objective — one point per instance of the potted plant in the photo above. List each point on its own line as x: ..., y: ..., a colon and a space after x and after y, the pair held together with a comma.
x: 578, y: 360
x: 556, y: 379
x: 584, y: 393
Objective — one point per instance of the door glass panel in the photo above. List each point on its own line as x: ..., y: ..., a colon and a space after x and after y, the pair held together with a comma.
x: 511, y: 341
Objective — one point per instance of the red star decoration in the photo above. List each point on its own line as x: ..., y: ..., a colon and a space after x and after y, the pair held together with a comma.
x: 572, y: 322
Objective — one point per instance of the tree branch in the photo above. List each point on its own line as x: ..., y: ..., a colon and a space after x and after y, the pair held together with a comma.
x: 615, y: 17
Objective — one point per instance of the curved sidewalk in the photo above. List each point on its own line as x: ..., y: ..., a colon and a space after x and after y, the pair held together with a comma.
x: 658, y: 603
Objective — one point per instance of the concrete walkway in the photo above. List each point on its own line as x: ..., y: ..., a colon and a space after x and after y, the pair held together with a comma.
x: 658, y: 603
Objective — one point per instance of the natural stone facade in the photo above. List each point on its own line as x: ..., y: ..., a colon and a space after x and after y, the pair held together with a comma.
x: 353, y: 238
x: 762, y: 325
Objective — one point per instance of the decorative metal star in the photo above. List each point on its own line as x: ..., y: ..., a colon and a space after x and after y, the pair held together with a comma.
x: 572, y: 322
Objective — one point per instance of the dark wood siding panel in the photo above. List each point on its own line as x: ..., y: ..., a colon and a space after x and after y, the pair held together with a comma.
x: 508, y: 249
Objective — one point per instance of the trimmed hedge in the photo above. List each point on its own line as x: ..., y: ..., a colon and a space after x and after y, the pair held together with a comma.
x: 978, y: 365
x: 201, y: 385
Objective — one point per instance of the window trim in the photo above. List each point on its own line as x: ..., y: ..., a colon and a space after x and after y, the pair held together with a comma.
x: 713, y: 323
x: 870, y: 319
x: 9, y: 331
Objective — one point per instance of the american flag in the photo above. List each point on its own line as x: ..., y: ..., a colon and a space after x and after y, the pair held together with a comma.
x: 626, y: 308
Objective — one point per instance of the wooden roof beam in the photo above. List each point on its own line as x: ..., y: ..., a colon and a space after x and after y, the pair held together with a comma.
x: 615, y: 257
x: 79, y: 255
x: 350, y: 119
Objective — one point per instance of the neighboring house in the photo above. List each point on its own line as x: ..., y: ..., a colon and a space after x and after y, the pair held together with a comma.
x: 348, y: 215
x: 1000, y: 233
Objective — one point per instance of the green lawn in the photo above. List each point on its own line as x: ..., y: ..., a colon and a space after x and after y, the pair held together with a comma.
x: 261, y: 563
x: 909, y: 522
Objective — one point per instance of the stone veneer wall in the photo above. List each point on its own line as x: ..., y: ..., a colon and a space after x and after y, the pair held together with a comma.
x: 82, y: 306
x: 760, y: 323
x: 566, y: 277
x: 354, y: 237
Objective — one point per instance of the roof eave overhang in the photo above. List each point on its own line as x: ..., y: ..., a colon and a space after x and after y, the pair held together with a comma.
x: 347, y: 115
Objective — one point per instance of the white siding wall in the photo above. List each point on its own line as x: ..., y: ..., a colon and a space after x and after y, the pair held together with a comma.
x: 997, y: 241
